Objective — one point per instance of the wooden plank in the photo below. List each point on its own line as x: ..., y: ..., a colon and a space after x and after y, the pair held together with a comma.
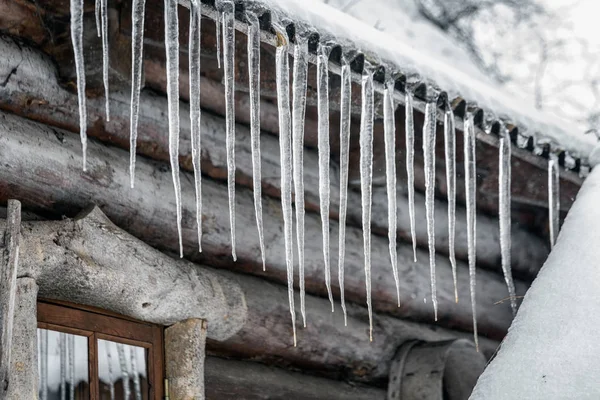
x: 45, y: 173
x: 8, y: 287
x: 230, y: 379
x: 37, y: 80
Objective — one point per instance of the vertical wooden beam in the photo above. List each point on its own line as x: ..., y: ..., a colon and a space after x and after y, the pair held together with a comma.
x: 9, y: 259
x: 23, y: 371
x: 185, y: 348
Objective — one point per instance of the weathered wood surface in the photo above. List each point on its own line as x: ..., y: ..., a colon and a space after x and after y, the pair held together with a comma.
x: 11, y: 235
x: 42, y: 167
x: 33, y: 91
x: 185, y: 352
x: 229, y: 379
x: 91, y: 252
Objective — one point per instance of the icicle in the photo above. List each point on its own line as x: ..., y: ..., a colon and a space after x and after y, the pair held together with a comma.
x: 366, y: 177
x: 98, y: 22
x: 218, y: 33
x: 429, y: 131
x: 504, y: 179
x: 77, y: 39
x: 390, y: 162
x: 111, y: 384
x: 71, y: 348
x: 410, y: 166
x: 282, y: 68
x: 194, y: 68
x: 345, y: 115
x: 136, y: 378
x: 172, y: 48
x: 228, y: 63
x: 324, y: 154
x: 105, y: 57
x: 298, y: 111
x: 44, y: 365
x: 553, y: 198
x: 254, y: 84
x: 450, y: 148
x: 470, y: 188
x: 124, y: 369
x: 62, y: 337
x: 137, y: 59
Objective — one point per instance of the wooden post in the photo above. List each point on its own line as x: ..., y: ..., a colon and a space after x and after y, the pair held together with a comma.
x: 23, y: 371
x: 8, y: 287
x: 185, y: 351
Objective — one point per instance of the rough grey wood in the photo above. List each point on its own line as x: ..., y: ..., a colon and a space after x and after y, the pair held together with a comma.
x: 8, y: 286
x: 42, y: 166
x: 35, y: 78
x: 185, y: 346
x: 230, y: 379
x: 88, y: 260
x: 23, y: 373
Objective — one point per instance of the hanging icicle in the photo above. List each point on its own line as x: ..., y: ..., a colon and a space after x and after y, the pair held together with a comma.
x: 111, y: 384
x: 504, y: 180
x: 323, y: 52
x: 366, y: 176
x: 194, y: 69
x: 97, y: 7
x: 43, y: 364
x: 471, y: 188
x: 62, y: 343
x: 410, y: 166
x: 124, y: 370
x: 254, y: 84
x: 228, y: 10
x: 71, y: 355
x: 77, y: 39
x: 450, y: 149
x: 389, y: 127
x: 553, y: 197
x: 172, y: 48
x: 298, y: 112
x: 105, y: 56
x: 429, y: 131
x: 218, y: 22
x: 134, y: 373
x: 345, y: 115
x: 137, y: 59
x: 282, y: 69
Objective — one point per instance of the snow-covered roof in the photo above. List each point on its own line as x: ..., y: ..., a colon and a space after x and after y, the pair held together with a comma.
x: 420, y: 54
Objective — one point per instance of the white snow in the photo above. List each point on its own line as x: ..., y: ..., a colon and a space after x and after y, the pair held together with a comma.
x: 551, y: 350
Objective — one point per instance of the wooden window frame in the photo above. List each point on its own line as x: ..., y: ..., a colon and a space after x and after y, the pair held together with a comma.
x: 95, y: 323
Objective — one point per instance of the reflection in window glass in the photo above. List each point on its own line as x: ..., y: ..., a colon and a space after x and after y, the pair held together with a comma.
x: 62, y: 366
x: 122, y: 370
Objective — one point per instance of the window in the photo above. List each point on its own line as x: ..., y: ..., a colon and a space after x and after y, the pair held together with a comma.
x: 85, y: 353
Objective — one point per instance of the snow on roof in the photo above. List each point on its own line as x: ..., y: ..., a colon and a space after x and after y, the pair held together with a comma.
x: 422, y: 55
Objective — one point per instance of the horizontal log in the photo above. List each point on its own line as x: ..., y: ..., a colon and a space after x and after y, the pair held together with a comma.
x: 42, y: 167
x: 36, y: 79
x: 229, y: 379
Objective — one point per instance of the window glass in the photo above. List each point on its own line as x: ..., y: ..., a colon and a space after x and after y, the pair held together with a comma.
x: 62, y: 366
x: 122, y: 370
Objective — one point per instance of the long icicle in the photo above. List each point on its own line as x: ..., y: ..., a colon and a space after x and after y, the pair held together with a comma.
x: 105, y: 55
x: 429, y: 131
x: 44, y: 364
x: 324, y: 154
x: 137, y: 59
x: 254, y: 84
x: 124, y: 370
x: 282, y: 69
x: 63, y: 365
x: 345, y: 115
x: 366, y: 177
x: 71, y: 355
x: 228, y: 10
x: 77, y: 39
x: 389, y: 127
x: 111, y: 384
x: 172, y: 49
x: 410, y: 167
x: 97, y: 7
x: 218, y: 22
x: 298, y: 111
x: 470, y: 188
x: 194, y: 69
x: 137, y: 387
x: 553, y: 198
x: 450, y: 149
x: 504, y: 180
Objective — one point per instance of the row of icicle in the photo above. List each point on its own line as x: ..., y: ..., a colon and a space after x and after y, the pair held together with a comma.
x: 291, y: 137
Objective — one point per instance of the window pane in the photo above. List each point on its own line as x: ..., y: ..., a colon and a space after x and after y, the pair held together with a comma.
x: 122, y: 370
x: 62, y: 366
